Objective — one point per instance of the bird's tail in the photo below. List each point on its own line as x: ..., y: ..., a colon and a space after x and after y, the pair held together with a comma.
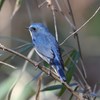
x: 60, y: 72
x: 59, y: 68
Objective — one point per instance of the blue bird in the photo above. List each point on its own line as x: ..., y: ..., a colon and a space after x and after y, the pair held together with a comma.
x: 47, y: 48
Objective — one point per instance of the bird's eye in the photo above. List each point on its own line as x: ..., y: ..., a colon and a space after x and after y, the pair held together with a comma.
x: 33, y: 29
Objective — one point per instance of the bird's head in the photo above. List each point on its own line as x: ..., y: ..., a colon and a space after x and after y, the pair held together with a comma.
x: 37, y: 28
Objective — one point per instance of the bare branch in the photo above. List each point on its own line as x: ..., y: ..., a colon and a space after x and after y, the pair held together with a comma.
x: 18, y: 54
x: 29, y: 11
x: 39, y: 86
x: 54, y: 19
x: 81, y: 26
x: 83, y: 67
x: 43, y: 68
x: 76, y: 36
x: 40, y: 5
x: 77, y: 67
x: 21, y: 73
x: 51, y: 6
x: 66, y: 18
x: 1, y: 62
x: 16, y: 8
x: 26, y: 62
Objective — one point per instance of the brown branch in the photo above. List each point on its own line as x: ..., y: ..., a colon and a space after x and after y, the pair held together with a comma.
x: 51, y: 6
x: 18, y: 54
x: 3, y: 63
x: 78, y: 41
x: 57, y: 10
x: 63, y: 14
x: 81, y: 26
x: 43, y: 68
x: 39, y: 86
x: 74, y: 29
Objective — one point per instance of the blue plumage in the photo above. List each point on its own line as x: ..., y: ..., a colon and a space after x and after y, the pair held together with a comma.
x: 47, y: 47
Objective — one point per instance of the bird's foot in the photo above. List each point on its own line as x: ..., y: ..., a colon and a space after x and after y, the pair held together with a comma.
x: 36, y: 65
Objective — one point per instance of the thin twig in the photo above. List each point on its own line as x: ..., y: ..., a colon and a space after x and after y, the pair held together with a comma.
x: 54, y: 75
x: 29, y: 11
x: 51, y: 6
x: 13, y: 38
x: 95, y: 87
x: 16, y: 8
x: 1, y: 62
x: 44, y: 69
x: 40, y: 5
x: 21, y: 73
x: 71, y: 14
x: 77, y: 37
x: 74, y: 29
x: 79, y: 71
x: 80, y: 81
x: 66, y: 4
x: 81, y: 26
x: 29, y: 57
x: 54, y: 19
x: 21, y: 46
x: 81, y: 61
x: 39, y: 86
x: 18, y: 54
x: 66, y: 18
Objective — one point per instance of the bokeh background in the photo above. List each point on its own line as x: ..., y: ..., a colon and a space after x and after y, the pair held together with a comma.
x: 14, y: 24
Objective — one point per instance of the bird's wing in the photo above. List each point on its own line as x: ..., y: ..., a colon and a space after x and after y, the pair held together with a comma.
x: 56, y: 51
x: 45, y: 54
x: 44, y: 48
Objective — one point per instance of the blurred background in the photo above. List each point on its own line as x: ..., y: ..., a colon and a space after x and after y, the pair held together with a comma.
x: 14, y: 19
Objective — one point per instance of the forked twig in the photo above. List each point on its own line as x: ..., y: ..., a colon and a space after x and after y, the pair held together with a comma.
x: 81, y: 26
